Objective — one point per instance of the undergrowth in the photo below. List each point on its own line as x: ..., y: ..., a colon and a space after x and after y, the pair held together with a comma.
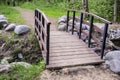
x: 19, y: 72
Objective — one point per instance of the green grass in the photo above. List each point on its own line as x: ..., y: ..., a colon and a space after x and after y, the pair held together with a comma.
x: 12, y: 14
x: 19, y: 72
x: 51, y: 10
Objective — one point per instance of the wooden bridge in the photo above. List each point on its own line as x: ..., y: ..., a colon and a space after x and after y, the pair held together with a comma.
x: 63, y: 49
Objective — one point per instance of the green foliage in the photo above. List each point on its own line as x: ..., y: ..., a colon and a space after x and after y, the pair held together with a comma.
x: 12, y: 14
x: 103, y: 8
x: 19, y: 72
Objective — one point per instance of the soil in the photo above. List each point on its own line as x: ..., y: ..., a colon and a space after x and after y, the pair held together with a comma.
x: 96, y: 73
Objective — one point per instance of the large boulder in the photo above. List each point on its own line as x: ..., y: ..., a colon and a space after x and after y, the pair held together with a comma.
x: 112, y: 55
x: 21, y: 29
x: 62, y: 27
x: 10, y: 27
x: 115, y: 65
x: 113, y: 60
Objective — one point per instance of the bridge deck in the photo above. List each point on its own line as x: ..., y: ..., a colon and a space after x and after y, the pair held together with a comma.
x: 69, y: 50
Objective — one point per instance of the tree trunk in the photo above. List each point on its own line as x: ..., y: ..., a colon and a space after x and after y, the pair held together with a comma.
x: 85, y: 5
x: 115, y: 10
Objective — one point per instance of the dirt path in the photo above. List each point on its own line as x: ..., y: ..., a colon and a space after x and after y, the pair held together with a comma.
x: 29, y: 18
x: 27, y: 15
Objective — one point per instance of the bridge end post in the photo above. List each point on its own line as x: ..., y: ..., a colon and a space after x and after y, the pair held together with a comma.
x: 48, y: 44
x: 104, y: 40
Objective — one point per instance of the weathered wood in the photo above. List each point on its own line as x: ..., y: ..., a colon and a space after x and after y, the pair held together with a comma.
x: 75, y: 62
x: 42, y: 30
x: 60, y: 49
x: 69, y: 48
x: 52, y: 58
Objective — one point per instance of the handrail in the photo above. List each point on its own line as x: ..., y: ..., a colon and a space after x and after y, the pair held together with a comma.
x: 92, y: 26
x: 42, y: 31
x: 90, y: 14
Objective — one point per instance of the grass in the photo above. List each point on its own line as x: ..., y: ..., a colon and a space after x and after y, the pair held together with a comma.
x: 12, y: 14
x: 11, y: 40
x: 51, y: 10
x: 19, y: 72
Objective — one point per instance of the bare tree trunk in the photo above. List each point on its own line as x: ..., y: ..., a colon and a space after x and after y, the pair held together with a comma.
x: 85, y: 5
x: 115, y: 10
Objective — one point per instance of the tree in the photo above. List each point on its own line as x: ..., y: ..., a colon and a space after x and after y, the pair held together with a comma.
x: 85, y: 5
x: 116, y: 11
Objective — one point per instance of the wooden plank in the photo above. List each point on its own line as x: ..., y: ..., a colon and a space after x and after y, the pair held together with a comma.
x: 68, y: 43
x: 67, y: 47
x: 63, y: 41
x: 75, y: 62
x: 72, y: 53
x: 71, y: 57
x: 70, y: 50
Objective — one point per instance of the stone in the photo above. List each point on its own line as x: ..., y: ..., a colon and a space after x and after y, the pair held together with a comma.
x: 62, y: 19
x: 62, y: 27
x: 5, y: 68
x: 10, y: 27
x: 3, y: 23
x: 71, y: 21
x: 112, y: 55
x: 22, y: 29
x: 26, y: 65
x: 115, y: 65
x: 84, y: 26
x: 2, y: 17
x: 114, y: 34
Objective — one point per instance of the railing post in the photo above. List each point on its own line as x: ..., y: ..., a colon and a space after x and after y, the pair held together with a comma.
x: 48, y: 43
x: 73, y: 23
x: 67, y: 20
x: 104, y: 40
x: 81, y: 21
x: 90, y: 31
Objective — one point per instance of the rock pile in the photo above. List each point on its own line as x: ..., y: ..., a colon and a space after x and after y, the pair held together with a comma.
x: 18, y: 29
x: 114, y: 34
x: 62, y: 24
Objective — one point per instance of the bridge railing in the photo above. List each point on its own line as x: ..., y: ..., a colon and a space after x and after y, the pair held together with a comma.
x: 91, y: 29
x: 42, y: 31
